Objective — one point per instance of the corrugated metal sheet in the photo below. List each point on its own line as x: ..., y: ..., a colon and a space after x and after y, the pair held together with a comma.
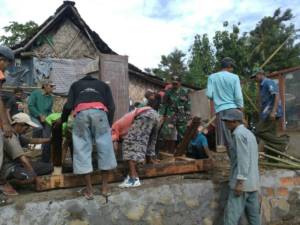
x: 63, y: 72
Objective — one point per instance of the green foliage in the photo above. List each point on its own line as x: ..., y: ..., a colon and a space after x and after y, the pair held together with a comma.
x: 17, y: 32
x: 230, y: 43
x: 201, y: 62
x: 268, y: 35
x: 249, y: 49
x: 171, y: 65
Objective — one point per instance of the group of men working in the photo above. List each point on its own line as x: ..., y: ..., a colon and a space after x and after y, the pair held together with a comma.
x: 15, y: 125
x: 91, y: 103
x: 224, y: 89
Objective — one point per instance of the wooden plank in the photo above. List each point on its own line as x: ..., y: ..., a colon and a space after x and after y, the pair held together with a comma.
x: 114, y: 71
x: 183, y: 158
x: 189, y: 134
x: 49, y: 182
x: 165, y: 155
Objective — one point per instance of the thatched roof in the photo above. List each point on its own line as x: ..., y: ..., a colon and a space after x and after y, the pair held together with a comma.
x: 68, y: 11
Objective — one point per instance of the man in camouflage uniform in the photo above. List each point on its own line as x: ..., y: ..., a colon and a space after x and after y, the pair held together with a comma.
x: 176, y: 110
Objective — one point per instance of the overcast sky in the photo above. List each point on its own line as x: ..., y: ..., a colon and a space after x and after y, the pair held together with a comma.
x: 146, y: 29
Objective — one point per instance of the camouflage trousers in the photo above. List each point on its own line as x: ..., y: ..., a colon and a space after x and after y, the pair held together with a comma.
x: 173, y: 134
x: 140, y: 139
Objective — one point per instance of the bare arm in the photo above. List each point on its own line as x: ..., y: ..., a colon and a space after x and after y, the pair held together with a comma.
x: 276, y: 102
x: 8, y: 115
x: 207, y: 152
x: 39, y: 140
x: 7, y: 129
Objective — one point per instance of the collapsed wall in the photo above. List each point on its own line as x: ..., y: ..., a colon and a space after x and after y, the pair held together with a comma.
x: 162, y: 201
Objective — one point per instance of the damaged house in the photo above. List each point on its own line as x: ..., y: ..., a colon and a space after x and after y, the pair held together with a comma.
x: 62, y: 46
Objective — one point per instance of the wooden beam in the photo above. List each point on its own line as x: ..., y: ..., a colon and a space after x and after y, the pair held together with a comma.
x: 165, y: 155
x: 49, y: 182
x: 183, y: 158
x: 56, y: 145
x: 189, y: 134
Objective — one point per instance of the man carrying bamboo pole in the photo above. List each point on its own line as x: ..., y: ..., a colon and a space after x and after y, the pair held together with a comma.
x: 224, y: 89
x: 270, y: 112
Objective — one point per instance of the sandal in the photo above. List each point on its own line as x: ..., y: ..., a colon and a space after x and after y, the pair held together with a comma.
x: 88, y: 196
x: 106, y: 194
x: 8, y: 190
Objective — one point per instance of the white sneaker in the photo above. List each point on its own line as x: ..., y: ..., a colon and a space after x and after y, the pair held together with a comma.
x: 124, y: 183
x: 131, y: 182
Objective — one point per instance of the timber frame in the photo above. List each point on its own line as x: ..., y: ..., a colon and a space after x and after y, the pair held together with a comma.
x: 170, y: 164
x: 176, y: 165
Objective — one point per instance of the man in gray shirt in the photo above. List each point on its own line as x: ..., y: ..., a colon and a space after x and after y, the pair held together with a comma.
x: 244, y: 172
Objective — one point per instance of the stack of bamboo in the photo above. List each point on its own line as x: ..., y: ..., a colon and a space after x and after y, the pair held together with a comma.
x: 283, y: 160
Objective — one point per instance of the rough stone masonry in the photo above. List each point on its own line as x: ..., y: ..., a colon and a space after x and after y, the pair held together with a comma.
x: 161, y: 201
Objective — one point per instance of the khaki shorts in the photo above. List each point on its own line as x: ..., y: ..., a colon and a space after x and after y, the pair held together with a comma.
x: 12, y: 147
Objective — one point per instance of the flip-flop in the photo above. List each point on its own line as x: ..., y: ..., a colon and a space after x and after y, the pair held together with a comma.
x: 85, y: 194
x: 10, y: 191
x: 106, y: 194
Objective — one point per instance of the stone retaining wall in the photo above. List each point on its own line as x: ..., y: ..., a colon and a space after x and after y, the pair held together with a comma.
x: 162, y: 201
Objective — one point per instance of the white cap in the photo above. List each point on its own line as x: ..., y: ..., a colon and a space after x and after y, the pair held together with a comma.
x: 23, y: 118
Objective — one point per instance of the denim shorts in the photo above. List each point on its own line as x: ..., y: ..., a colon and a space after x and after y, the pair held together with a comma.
x: 91, y: 127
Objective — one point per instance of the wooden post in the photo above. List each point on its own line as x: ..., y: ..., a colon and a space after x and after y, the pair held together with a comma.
x: 56, y: 145
x: 189, y: 134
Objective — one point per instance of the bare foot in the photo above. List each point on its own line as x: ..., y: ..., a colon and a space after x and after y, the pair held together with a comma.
x: 105, y: 190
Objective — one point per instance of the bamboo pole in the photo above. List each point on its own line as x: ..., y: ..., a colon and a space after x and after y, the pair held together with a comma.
x: 282, y: 154
x: 280, y: 160
x: 279, y: 165
x: 275, y: 52
x: 210, y: 121
x: 261, y: 66
x: 250, y: 101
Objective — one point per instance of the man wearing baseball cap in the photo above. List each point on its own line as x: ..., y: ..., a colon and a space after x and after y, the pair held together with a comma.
x: 14, y: 157
x: 270, y: 112
x: 244, y: 173
x: 6, y: 57
x: 224, y: 89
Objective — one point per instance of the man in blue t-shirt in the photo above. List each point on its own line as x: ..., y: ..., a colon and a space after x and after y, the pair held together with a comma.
x: 270, y: 112
x: 198, y: 147
x: 224, y: 89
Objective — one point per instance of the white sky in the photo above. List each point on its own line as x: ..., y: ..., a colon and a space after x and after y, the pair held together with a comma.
x: 146, y: 29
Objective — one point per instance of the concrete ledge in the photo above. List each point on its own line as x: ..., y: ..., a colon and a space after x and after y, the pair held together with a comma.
x: 163, y: 201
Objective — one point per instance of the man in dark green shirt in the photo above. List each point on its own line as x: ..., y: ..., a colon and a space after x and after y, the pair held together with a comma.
x: 40, y: 106
x: 41, y: 101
